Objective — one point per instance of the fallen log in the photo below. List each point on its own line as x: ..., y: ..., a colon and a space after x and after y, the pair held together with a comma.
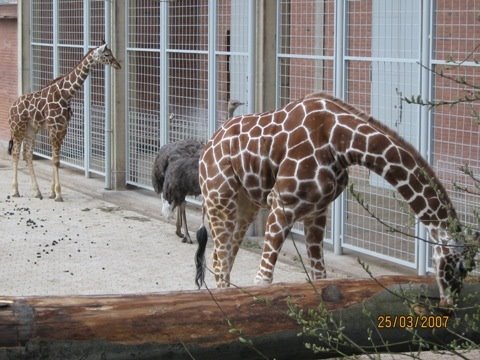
x: 221, y: 324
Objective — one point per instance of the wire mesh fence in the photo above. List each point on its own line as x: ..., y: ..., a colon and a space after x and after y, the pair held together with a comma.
x: 173, y: 103
x: 380, y: 54
x: 185, y: 60
x: 60, y: 38
x: 455, y: 67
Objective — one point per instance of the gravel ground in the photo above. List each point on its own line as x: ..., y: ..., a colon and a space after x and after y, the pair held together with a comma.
x: 86, y: 245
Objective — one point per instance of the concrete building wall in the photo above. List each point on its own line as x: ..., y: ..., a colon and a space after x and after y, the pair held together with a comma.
x: 8, y: 64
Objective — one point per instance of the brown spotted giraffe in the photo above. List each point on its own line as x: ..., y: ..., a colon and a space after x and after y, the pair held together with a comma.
x: 49, y: 108
x: 294, y: 161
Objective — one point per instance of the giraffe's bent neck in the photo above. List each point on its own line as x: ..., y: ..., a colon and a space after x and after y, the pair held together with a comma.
x: 358, y: 139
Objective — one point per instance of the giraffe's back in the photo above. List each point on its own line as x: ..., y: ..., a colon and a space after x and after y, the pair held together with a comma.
x: 252, y: 151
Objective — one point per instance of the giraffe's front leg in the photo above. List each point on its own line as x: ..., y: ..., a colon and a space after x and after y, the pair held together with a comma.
x: 314, y: 233
x: 56, y: 188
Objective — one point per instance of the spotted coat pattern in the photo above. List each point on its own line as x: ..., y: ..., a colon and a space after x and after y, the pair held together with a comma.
x: 294, y: 162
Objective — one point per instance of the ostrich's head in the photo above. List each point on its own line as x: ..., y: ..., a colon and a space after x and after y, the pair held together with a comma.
x: 232, y: 106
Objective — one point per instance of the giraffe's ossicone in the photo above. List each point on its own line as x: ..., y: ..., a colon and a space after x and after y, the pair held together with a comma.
x: 294, y: 161
x: 49, y: 108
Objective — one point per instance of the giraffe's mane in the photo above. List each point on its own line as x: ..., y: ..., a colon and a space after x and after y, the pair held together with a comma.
x: 370, y: 120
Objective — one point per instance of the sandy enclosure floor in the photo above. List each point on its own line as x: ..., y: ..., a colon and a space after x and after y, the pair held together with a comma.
x: 86, y: 245
x: 106, y: 242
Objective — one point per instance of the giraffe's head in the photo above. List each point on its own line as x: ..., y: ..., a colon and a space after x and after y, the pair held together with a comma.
x: 452, y: 264
x: 103, y: 55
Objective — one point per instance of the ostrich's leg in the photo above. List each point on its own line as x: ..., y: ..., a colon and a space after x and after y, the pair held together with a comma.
x: 187, y: 238
x: 179, y: 222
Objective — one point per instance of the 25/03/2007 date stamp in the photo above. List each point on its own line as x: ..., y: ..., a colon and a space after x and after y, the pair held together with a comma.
x: 412, y: 321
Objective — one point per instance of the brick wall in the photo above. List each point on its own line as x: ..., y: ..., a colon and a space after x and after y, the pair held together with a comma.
x: 8, y: 65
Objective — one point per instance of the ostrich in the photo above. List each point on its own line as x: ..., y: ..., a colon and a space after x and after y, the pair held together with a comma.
x: 181, y: 180
x: 169, y: 154
x: 175, y: 175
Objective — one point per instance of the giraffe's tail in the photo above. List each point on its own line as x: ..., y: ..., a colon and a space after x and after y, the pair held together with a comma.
x: 10, y: 147
x: 202, y: 237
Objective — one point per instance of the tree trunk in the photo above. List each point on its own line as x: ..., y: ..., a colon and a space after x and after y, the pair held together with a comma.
x: 204, y: 325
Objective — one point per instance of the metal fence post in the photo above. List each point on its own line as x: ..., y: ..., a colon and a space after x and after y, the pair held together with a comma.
x: 252, y: 59
x: 55, y: 22
x: 212, y: 67
x: 108, y: 102
x: 86, y: 92
x: 339, y: 61
x: 425, y: 123
x: 164, y: 115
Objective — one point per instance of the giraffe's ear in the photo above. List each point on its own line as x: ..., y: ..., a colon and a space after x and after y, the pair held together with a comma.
x: 101, y: 48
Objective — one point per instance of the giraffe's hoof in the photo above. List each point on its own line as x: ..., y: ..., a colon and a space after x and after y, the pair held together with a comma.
x: 261, y: 281
x: 16, y: 194
x: 59, y: 199
x: 179, y: 234
x: 38, y: 196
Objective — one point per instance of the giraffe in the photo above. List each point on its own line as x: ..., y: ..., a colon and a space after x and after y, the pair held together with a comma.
x: 294, y: 161
x: 49, y: 108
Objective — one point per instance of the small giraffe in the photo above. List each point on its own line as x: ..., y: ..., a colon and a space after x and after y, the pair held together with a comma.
x: 49, y: 108
x: 294, y: 161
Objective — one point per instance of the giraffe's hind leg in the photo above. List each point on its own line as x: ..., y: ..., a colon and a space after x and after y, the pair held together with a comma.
x: 229, y: 225
x: 223, y: 226
x: 18, y: 127
x: 28, y: 145
x: 222, y: 217
x: 15, y: 157
x: 314, y: 233
x: 247, y: 211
